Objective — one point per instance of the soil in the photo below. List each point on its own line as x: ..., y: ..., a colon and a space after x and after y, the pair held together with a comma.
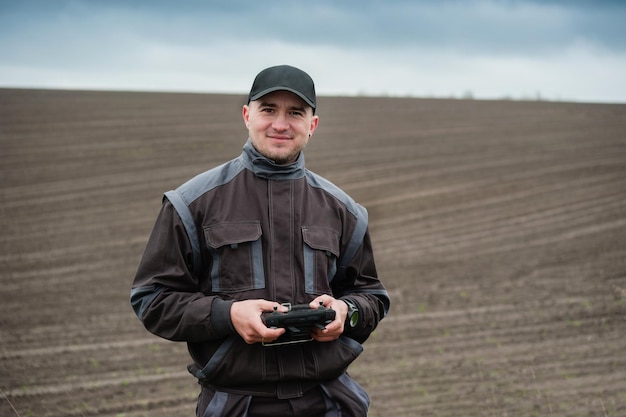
x: 499, y: 229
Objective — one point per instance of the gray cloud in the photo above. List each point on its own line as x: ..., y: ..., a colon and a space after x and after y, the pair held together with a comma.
x: 424, y: 47
x: 494, y: 26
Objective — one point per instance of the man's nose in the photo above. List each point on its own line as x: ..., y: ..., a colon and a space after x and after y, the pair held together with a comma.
x: 280, y: 122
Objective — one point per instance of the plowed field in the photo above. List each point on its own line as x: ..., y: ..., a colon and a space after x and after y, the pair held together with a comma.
x: 499, y: 229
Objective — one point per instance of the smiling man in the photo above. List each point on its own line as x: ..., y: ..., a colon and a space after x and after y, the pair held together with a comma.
x: 280, y: 122
x: 257, y: 235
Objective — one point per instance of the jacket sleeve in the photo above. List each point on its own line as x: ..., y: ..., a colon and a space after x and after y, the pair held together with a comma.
x: 166, y: 295
x: 360, y: 284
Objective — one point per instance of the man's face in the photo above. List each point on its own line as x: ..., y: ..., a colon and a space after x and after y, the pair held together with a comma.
x: 279, y: 125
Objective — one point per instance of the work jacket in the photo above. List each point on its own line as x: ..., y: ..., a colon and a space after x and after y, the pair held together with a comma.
x: 251, y: 229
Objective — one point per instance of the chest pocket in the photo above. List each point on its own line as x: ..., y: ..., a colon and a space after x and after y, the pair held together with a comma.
x: 321, y: 250
x: 237, y: 256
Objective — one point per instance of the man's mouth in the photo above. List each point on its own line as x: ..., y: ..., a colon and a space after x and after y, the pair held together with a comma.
x: 279, y: 137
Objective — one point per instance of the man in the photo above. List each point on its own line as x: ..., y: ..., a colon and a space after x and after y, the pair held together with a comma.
x: 253, y: 236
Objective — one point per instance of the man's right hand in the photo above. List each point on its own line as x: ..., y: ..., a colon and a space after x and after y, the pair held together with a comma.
x: 246, y: 318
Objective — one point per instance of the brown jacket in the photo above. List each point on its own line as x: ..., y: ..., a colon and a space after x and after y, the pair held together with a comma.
x: 252, y: 229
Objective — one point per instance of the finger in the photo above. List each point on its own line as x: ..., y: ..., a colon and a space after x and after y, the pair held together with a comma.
x: 334, y: 326
x: 323, y: 337
x: 325, y: 299
x: 269, y: 335
x: 272, y: 306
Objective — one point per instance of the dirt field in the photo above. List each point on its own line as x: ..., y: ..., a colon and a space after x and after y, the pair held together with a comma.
x: 499, y: 228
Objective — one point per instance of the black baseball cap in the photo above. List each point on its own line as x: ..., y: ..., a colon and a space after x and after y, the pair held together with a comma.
x: 283, y: 77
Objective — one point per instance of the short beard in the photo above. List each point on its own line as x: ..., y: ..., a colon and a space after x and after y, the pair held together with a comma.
x: 286, y: 160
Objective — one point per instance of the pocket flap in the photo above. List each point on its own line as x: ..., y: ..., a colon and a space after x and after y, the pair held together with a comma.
x: 321, y: 239
x: 232, y: 233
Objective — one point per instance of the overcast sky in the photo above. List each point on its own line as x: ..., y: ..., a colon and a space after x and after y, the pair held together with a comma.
x: 571, y: 50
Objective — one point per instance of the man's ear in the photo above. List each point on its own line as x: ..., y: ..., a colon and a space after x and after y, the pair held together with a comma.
x: 314, y: 122
x: 245, y: 113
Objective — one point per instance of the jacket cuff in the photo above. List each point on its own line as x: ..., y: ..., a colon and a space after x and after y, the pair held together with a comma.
x: 220, y: 317
x: 361, y: 331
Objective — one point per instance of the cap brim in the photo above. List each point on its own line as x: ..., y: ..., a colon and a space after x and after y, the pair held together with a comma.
x: 279, y: 88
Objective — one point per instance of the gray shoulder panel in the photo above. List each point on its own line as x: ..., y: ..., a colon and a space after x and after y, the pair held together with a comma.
x: 182, y: 209
x: 210, y: 179
x: 353, y: 207
x: 184, y: 195
x: 318, y: 181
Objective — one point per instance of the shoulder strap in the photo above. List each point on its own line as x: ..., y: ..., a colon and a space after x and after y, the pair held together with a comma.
x: 190, y: 227
x: 355, y: 241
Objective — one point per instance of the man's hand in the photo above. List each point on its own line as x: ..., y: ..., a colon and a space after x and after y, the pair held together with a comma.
x: 334, y: 329
x: 246, y: 318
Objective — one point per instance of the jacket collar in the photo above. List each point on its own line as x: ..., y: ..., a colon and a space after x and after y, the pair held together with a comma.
x: 266, y: 168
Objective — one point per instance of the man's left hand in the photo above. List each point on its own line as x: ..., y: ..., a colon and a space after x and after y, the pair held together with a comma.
x: 334, y: 329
